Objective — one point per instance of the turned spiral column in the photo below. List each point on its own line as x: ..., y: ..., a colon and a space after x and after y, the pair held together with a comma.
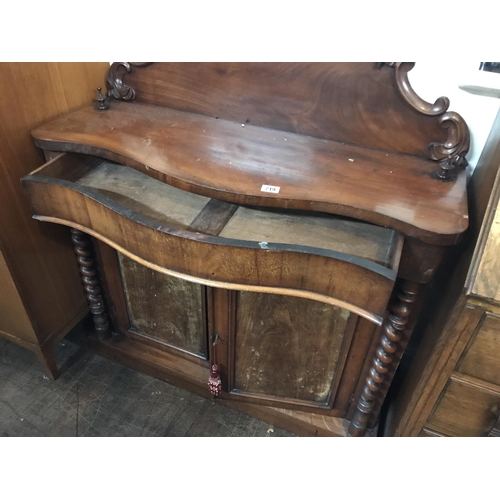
x: 83, y: 249
x: 392, y: 333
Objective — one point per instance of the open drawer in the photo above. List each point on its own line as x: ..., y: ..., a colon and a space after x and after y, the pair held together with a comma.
x: 321, y: 257
x: 295, y: 298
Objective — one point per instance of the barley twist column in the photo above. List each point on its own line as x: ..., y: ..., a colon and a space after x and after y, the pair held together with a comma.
x: 386, y: 352
x: 83, y: 249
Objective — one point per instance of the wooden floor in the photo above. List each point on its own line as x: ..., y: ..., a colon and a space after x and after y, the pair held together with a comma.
x: 98, y: 397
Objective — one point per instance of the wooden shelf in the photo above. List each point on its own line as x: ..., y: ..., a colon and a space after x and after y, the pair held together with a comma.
x: 232, y: 161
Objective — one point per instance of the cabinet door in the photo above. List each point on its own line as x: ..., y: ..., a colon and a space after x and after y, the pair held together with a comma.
x: 167, y: 312
x: 166, y: 309
x: 287, y: 349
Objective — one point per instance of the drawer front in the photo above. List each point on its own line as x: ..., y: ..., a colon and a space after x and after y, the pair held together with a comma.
x: 164, y: 228
x: 468, y: 407
x: 482, y: 356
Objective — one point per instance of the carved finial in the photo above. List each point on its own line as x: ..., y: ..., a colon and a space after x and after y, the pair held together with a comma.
x: 101, y: 99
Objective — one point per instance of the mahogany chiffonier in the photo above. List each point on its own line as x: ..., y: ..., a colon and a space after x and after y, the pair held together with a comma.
x: 452, y: 387
x: 261, y: 233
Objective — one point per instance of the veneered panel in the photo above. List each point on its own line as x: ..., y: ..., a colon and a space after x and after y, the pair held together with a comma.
x: 287, y: 347
x: 164, y: 308
x: 482, y: 359
x: 467, y: 408
x: 349, y: 102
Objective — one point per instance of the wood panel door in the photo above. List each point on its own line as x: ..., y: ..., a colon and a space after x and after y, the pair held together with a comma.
x: 288, y: 351
x: 163, y: 311
x: 272, y: 349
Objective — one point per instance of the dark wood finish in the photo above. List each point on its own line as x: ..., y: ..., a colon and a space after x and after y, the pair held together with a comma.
x: 83, y: 250
x: 460, y: 337
x: 116, y: 87
x: 166, y: 309
x: 293, y: 291
x: 101, y: 104
x: 347, y: 280
x: 345, y: 102
x: 287, y: 347
x: 214, y: 217
x: 377, y: 244
x: 392, y: 333
x: 44, y: 298
x: 226, y: 161
x: 467, y: 408
x: 451, y: 152
x: 481, y: 358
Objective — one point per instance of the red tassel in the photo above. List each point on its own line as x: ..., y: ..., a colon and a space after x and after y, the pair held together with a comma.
x: 214, y: 381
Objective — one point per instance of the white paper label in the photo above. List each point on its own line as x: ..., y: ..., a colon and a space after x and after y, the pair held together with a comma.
x: 270, y: 189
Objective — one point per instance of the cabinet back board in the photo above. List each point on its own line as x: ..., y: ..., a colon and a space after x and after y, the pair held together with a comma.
x: 346, y: 102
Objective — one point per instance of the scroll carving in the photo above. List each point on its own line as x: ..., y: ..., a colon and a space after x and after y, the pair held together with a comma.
x: 451, y: 153
x: 116, y: 87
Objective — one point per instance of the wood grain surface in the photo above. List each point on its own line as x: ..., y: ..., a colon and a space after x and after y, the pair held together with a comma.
x: 453, y: 316
x: 487, y: 280
x: 40, y: 256
x: 166, y: 309
x: 468, y: 408
x: 13, y: 318
x: 346, y: 102
x: 347, y: 280
x: 287, y: 347
x: 481, y: 359
x: 226, y: 161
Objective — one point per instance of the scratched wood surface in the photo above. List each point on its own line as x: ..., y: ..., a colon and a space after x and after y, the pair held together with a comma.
x: 222, y: 160
x: 287, y: 347
x: 166, y: 309
x: 97, y: 397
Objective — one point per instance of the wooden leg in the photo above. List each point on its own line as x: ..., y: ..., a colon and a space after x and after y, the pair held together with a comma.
x: 46, y: 357
x: 385, y: 354
x: 83, y: 249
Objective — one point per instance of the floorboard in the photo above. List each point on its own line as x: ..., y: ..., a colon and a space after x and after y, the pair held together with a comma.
x: 95, y: 396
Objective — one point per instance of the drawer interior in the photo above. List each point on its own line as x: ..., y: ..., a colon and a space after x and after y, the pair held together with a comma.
x: 332, y: 259
x: 167, y: 205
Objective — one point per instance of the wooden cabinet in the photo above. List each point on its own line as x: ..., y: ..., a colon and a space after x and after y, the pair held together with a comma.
x: 453, y: 385
x: 223, y: 236
x: 481, y: 358
x: 40, y: 293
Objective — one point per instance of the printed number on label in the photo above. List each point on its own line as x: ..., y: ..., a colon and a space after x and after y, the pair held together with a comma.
x: 270, y: 189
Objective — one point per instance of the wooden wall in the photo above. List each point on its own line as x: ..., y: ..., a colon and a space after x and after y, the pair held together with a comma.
x: 39, y: 256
